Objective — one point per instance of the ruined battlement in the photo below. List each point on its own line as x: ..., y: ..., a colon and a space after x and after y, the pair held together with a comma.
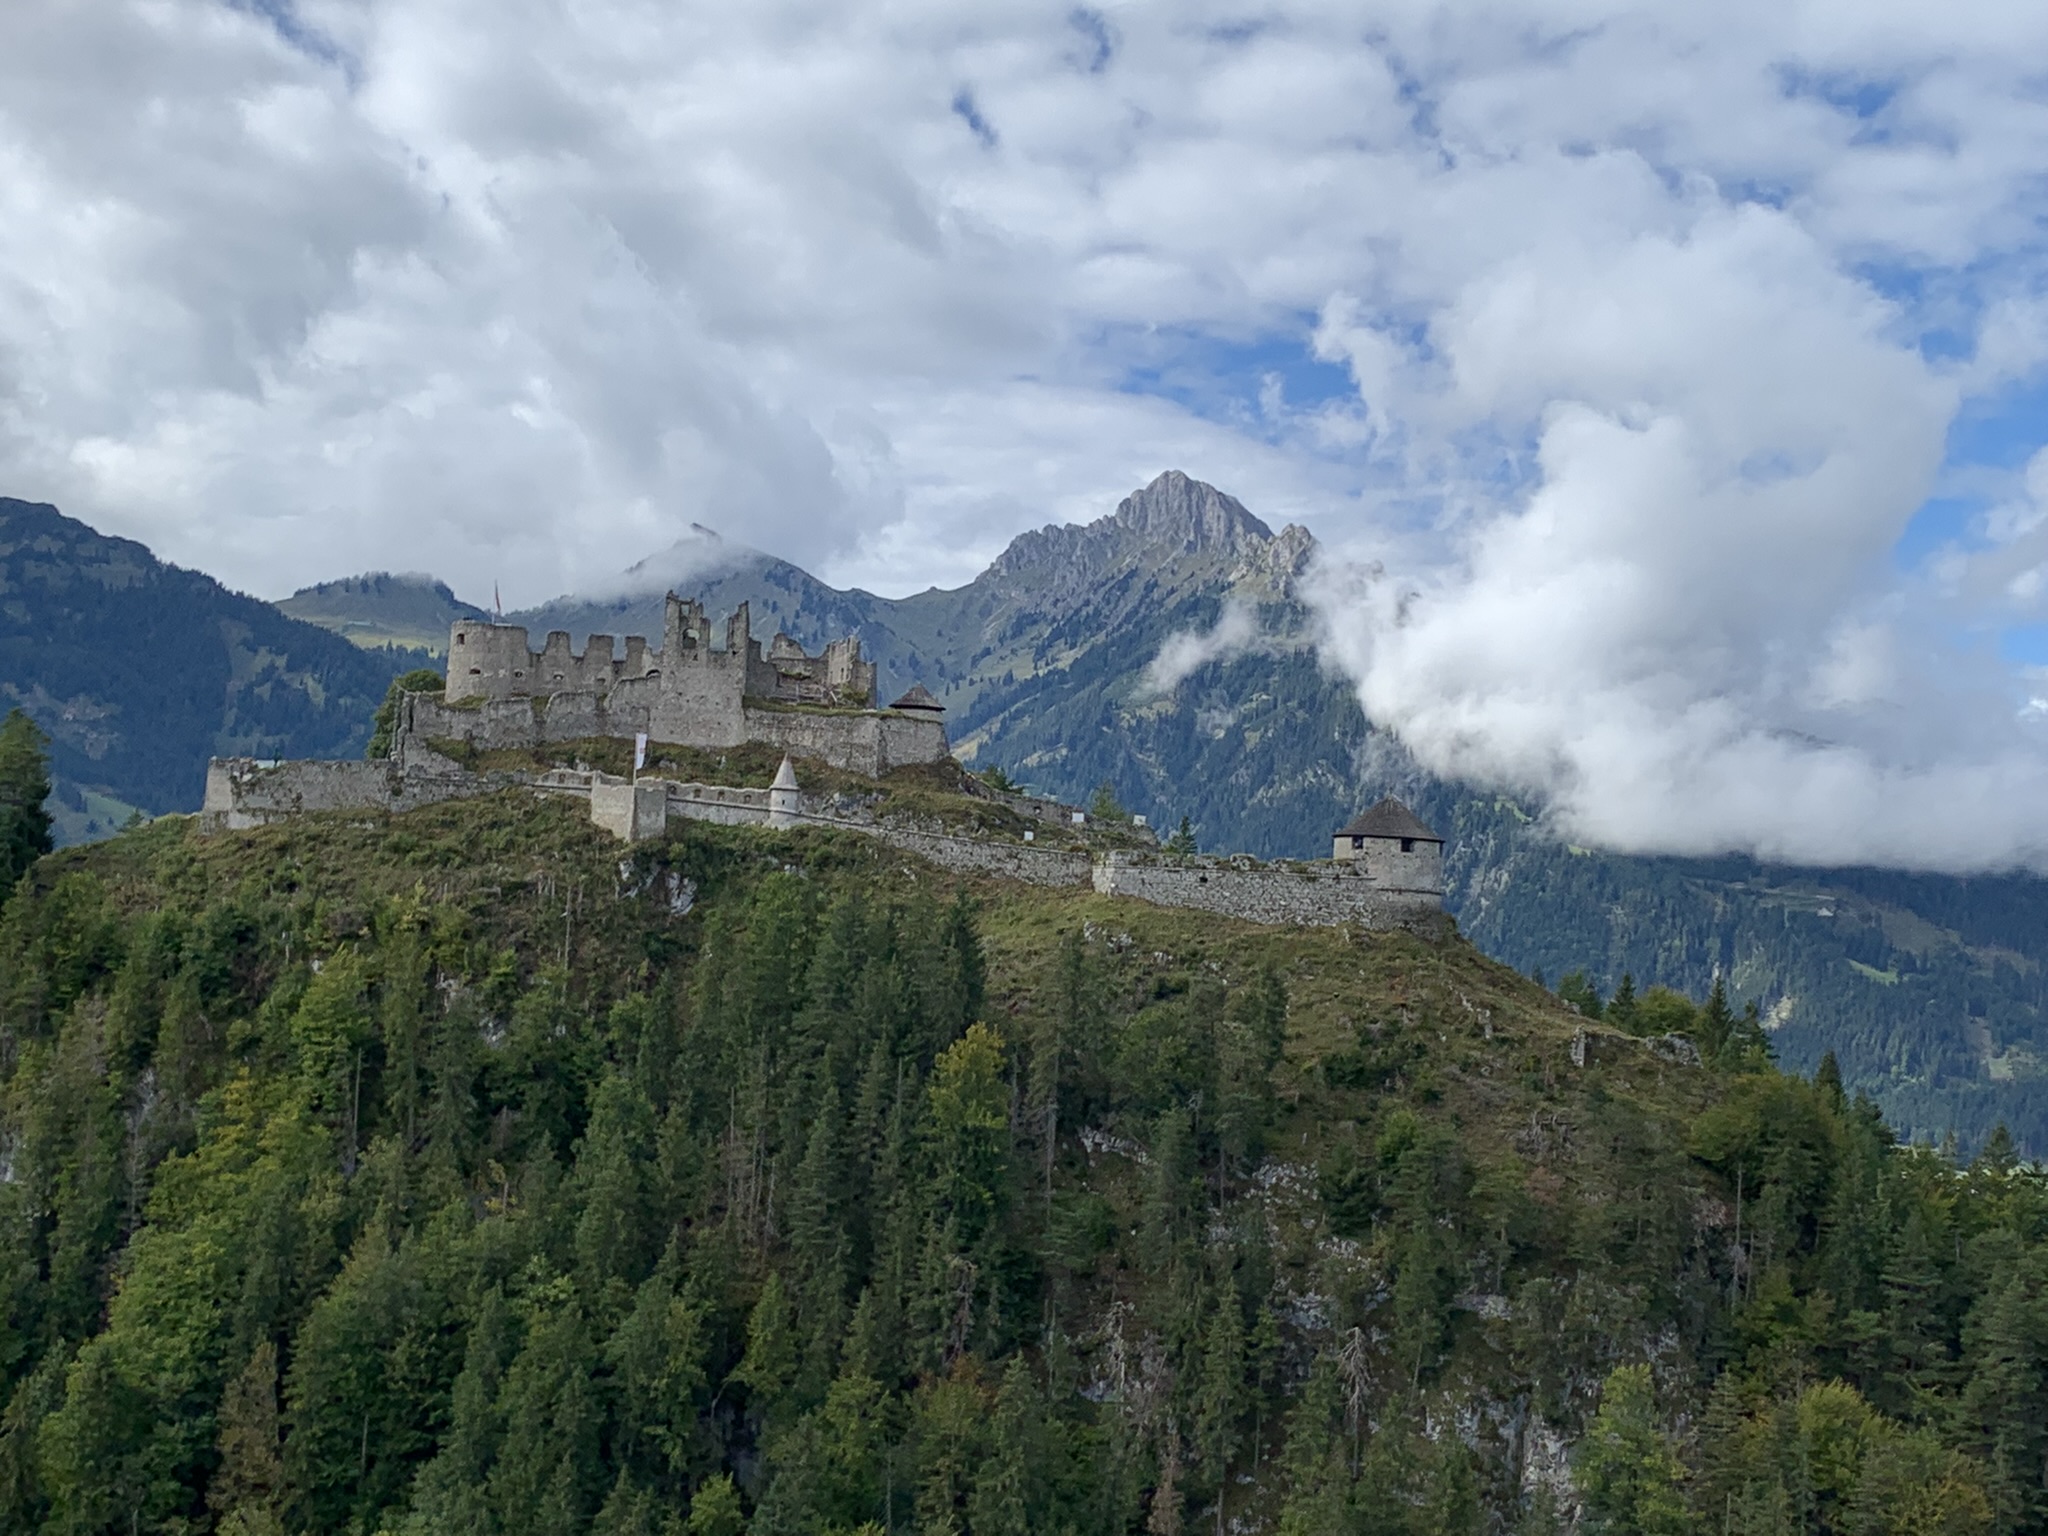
x: 699, y: 689
x: 496, y: 661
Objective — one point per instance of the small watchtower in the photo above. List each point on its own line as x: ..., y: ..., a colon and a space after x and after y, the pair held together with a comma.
x: 1395, y: 848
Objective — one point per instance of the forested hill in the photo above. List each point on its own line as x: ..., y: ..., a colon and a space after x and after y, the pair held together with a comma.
x: 1932, y: 991
x: 140, y: 671
x: 454, y: 1173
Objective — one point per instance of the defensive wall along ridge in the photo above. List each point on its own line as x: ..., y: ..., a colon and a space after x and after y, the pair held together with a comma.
x: 1382, y: 886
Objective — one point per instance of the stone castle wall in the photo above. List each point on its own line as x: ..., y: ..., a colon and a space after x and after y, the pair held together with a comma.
x: 1316, y: 894
x: 1419, y: 869
x: 242, y: 792
x: 870, y: 743
x: 977, y: 856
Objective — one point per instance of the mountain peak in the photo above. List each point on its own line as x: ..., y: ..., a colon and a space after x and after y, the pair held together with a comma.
x: 1178, y: 509
x: 1174, y: 517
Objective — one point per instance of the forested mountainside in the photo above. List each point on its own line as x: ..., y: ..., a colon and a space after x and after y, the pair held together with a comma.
x: 139, y: 671
x: 456, y: 1173
x: 1932, y: 991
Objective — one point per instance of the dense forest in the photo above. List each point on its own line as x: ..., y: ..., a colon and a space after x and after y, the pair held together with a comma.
x: 458, y: 1173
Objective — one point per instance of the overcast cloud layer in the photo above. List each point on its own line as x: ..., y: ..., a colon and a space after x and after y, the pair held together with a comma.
x: 1665, y: 380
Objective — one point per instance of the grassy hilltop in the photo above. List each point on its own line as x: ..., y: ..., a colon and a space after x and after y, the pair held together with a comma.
x: 467, y: 1172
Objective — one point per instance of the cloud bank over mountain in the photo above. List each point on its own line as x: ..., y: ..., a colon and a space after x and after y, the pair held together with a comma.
x: 1664, y: 381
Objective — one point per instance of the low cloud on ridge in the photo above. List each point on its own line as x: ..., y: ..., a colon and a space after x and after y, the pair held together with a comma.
x: 1185, y: 651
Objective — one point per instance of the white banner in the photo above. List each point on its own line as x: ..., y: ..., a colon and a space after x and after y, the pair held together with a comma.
x: 639, y: 750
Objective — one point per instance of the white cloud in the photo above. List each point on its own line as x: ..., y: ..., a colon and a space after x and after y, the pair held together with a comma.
x: 1186, y: 651
x: 1659, y: 319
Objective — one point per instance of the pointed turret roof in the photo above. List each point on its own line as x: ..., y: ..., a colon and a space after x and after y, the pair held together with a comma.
x: 1390, y: 818
x: 785, y: 777
x: 919, y: 697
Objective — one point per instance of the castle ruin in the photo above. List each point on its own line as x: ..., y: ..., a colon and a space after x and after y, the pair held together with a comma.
x: 501, y: 693
x: 1386, y: 868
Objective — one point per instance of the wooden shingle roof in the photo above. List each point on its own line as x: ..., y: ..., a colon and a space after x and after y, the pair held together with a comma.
x: 919, y: 697
x: 1390, y: 818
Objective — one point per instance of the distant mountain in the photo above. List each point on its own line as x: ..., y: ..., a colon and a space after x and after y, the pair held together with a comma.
x: 140, y: 671
x: 378, y: 609
x: 1932, y: 991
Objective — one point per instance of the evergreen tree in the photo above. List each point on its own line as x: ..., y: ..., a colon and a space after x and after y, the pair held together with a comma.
x: 24, y: 787
x: 1009, y: 1497
x: 1104, y: 805
x: 1621, y: 1008
x: 769, y: 1368
x: 1575, y: 988
x: 1220, y: 1394
x: 1627, y: 1469
x: 248, y: 1490
x: 716, y: 1511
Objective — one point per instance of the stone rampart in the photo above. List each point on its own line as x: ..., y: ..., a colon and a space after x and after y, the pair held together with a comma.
x: 631, y: 812
x: 869, y: 743
x: 1317, y: 894
x: 244, y: 792
x: 720, y: 803
x: 977, y: 856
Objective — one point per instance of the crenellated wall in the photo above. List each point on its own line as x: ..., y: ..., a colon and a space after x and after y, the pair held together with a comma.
x: 689, y: 693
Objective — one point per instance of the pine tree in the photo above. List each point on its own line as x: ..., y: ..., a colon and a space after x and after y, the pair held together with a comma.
x: 1008, y: 1492
x: 1716, y: 1022
x: 818, y: 1241
x: 657, y: 1358
x: 24, y: 787
x: 769, y: 1367
x: 1621, y: 1008
x: 247, y: 1490
x: 1220, y: 1393
x: 1265, y: 1362
x: 1827, y: 1077
x: 1627, y: 1469
x: 1317, y: 1471
x: 715, y: 1511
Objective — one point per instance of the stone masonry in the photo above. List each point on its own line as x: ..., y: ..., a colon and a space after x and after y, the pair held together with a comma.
x: 503, y: 694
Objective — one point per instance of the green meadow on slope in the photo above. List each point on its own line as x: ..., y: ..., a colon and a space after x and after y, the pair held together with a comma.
x: 465, y: 1172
